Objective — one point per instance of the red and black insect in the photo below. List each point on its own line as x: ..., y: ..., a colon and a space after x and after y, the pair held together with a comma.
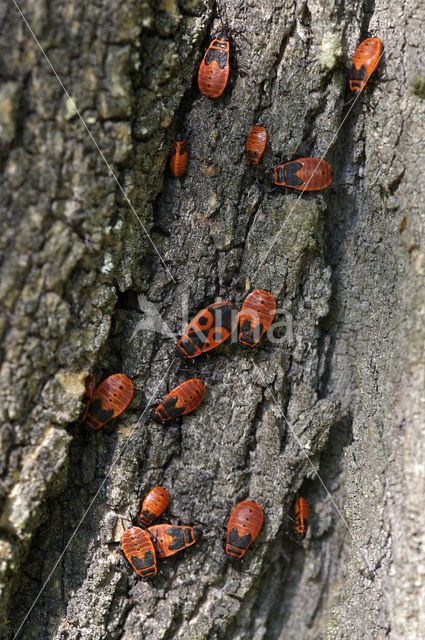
x: 108, y: 400
x: 181, y: 400
x: 365, y: 62
x: 244, y: 525
x: 139, y: 550
x: 154, y: 505
x: 214, y: 69
x: 209, y: 328
x: 178, y: 162
x: 304, y: 174
x: 169, y: 539
x: 256, y: 316
x: 255, y: 144
x: 301, y: 517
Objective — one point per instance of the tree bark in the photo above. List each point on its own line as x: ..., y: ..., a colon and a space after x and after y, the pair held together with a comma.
x: 93, y: 227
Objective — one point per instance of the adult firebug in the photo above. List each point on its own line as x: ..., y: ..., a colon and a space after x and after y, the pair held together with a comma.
x: 181, y: 400
x: 214, y: 69
x: 244, y: 525
x: 301, y: 517
x: 108, y: 400
x: 256, y: 316
x: 256, y: 144
x: 178, y: 162
x: 365, y: 62
x: 304, y: 174
x: 209, y: 328
x: 169, y: 539
x: 154, y: 505
x: 139, y: 550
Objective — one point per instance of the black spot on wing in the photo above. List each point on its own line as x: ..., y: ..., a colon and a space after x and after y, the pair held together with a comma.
x: 97, y: 412
x: 358, y: 74
x: 178, y: 535
x: 219, y: 56
x: 290, y: 174
x: 148, y: 560
x: 170, y: 409
x: 236, y: 541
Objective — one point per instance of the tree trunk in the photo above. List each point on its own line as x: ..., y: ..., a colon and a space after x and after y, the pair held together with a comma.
x: 99, y: 242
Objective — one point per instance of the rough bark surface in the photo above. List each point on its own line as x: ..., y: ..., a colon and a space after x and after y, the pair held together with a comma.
x: 339, y: 393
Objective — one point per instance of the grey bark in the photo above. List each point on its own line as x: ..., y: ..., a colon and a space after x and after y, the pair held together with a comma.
x: 347, y: 267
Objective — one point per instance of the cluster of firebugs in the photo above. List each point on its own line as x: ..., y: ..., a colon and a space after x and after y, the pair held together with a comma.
x: 213, y: 325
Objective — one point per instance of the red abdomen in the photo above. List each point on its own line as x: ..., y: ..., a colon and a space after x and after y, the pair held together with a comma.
x: 109, y: 399
x: 178, y: 162
x: 139, y: 551
x: 365, y: 62
x: 301, y: 517
x: 181, y: 400
x: 244, y: 525
x: 256, y: 316
x: 214, y: 69
x: 305, y: 174
x: 154, y: 505
x: 209, y: 328
x: 256, y: 144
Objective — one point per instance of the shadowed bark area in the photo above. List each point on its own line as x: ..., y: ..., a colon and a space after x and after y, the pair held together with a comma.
x: 332, y: 405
